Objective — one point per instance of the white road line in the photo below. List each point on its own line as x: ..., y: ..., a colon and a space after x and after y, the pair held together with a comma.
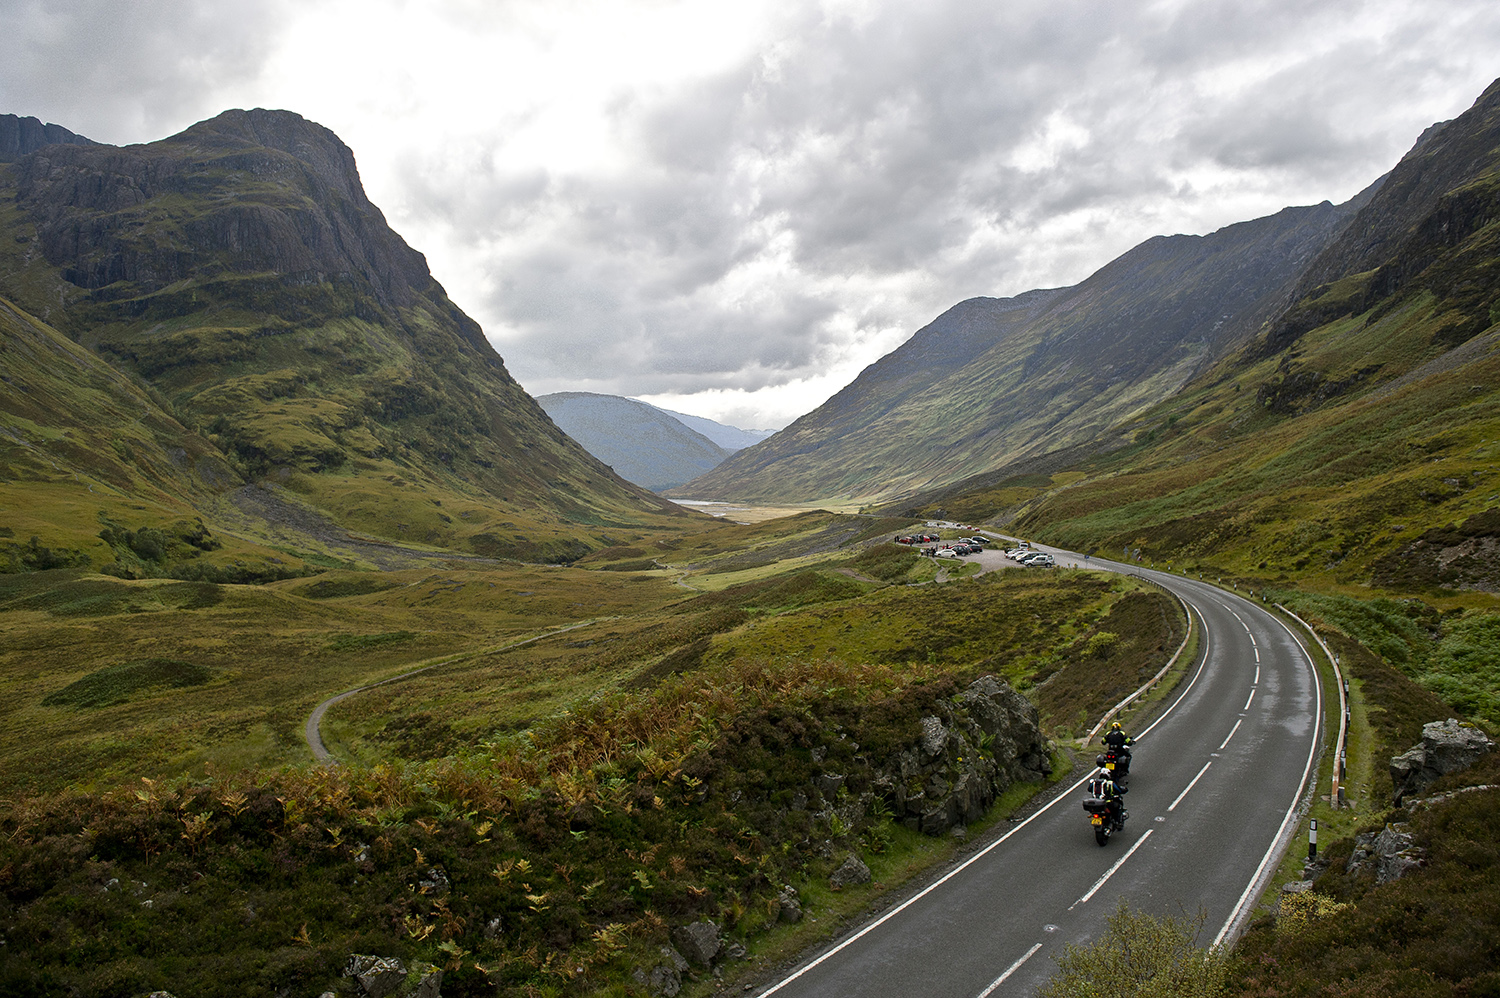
x: 1008, y: 971
x: 1257, y: 658
x: 1195, y: 781
x: 1283, y: 834
x: 1111, y: 871
x: 1257, y: 673
x: 1231, y: 733
x: 925, y: 891
x: 1203, y: 664
x: 1247, y: 701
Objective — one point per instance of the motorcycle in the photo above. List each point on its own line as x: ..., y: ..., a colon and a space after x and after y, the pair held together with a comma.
x: 1115, y: 762
x: 1107, y: 817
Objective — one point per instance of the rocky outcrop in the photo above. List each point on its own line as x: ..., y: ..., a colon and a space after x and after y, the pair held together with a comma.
x: 388, y: 977
x: 665, y: 979
x: 1389, y: 854
x: 1446, y: 747
x: 23, y: 136
x: 961, y: 760
x: 789, y: 904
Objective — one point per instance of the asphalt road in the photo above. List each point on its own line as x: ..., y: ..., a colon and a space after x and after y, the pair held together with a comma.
x: 1215, y: 785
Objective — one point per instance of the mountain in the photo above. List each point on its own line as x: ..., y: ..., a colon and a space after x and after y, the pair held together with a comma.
x: 22, y: 136
x: 643, y: 444
x: 994, y: 381
x: 239, y: 275
x: 731, y: 438
x: 1349, y: 443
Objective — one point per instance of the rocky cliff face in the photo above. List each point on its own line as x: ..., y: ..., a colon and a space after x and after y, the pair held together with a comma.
x: 23, y: 136
x: 1427, y: 228
x: 275, y: 193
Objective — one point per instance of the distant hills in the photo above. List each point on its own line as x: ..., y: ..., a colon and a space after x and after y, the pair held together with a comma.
x: 993, y: 381
x: 731, y: 438
x: 221, y: 326
x: 651, y: 447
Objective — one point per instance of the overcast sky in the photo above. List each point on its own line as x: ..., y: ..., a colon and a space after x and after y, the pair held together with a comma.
x: 730, y: 208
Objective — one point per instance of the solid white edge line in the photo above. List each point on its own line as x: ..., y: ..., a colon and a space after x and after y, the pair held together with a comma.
x: 1008, y: 971
x: 1279, y: 844
x: 1231, y: 733
x: 1248, y: 699
x: 925, y: 891
x: 983, y: 852
x: 1195, y: 780
x: 1111, y: 871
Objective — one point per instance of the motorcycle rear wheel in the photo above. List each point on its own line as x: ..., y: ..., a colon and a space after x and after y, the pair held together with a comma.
x: 1101, y: 834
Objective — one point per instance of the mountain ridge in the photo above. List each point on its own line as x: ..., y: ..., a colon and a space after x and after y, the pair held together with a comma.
x: 992, y: 381
x: 238, y: 269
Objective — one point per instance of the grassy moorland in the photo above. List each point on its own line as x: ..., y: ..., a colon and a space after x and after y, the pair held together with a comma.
x: 578, y: 795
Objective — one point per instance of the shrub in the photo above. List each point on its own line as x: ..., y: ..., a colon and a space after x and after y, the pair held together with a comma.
x: 1140, y: 956
x: 118, y: 683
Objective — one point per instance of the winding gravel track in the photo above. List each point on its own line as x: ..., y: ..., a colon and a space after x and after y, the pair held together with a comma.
x: 1218, y: 781
x: 312, y: 729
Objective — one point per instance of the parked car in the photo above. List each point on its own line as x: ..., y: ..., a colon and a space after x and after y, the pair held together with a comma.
x: 945, y: 553
x: 1040, y: 560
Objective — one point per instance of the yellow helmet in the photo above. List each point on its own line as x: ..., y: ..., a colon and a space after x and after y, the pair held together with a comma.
x: 1115, y: 726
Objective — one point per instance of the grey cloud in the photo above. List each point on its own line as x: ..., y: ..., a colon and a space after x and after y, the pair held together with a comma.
x: 877, y: 150
x: 857, y: 175
x: 119, y: 71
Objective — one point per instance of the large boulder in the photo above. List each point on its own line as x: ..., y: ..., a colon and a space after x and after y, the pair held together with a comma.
x: 1446, y: 747
x: 852, y: 871
x: 698, y: 941
x: 377, y: 976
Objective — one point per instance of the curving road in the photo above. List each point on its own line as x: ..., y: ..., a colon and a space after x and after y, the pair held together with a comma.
x: 1216, y: 785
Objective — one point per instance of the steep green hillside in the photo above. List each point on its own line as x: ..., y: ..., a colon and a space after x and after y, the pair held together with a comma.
x: 994, y: 381
x: 1360, y: 451
x: 239, y: 270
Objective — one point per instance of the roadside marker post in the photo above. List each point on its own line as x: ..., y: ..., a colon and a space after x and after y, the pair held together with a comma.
x: 1312, y: 841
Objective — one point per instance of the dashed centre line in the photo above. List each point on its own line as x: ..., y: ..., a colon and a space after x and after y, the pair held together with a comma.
x: 1231, y: 733
x: 1111, y: 871
x: 1008, y: 971
x: 1247, y: 702
x: 1190, y: 786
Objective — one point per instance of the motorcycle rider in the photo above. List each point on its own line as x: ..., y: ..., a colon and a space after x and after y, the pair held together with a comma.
x: 1117, y: 739
x: 1111, y: 793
